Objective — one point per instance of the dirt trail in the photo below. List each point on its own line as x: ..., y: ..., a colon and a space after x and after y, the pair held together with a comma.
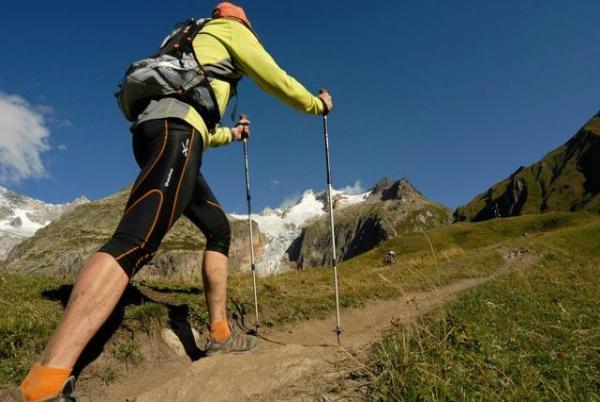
x: 298, y: 362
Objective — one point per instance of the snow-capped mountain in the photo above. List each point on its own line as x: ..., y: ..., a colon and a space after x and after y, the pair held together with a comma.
x: 283, y: 225
x: 22, y: 216
x: 294, y: 236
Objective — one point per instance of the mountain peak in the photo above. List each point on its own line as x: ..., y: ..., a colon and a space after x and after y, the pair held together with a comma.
x: 389, y: 189
x: 593, y: 125
x: 82, y: 199
x: 565, y: 179
x: 21, y: 216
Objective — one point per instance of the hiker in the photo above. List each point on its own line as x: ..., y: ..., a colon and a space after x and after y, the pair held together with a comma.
x: 390, y: 258
x: 169, y: 137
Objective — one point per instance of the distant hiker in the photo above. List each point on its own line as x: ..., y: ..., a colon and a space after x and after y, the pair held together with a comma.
x: 169, y: 135
x: 497, y: 211
x: 390, y: 258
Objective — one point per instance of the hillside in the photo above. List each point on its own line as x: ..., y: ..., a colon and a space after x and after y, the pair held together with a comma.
x: 524, y: 331
x: 530, y: 335
x: 62, y: 247
x: 566, y: 179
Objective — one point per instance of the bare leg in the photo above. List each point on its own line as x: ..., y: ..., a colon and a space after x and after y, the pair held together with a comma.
x: 97, y: 291
x: 214, y: 276
x: 222, y: 339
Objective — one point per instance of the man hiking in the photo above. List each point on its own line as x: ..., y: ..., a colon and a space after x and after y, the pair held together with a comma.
x: 169, y: 137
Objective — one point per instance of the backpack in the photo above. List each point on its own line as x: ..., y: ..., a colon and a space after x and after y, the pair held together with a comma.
x: 174, y: 71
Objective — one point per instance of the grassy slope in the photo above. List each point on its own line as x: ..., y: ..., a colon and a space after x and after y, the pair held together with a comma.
x: 461, y: 251
x: 530, y: 335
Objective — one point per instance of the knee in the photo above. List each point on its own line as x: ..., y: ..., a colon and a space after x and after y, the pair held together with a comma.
x: 219, y: 238
x: 130, y: 252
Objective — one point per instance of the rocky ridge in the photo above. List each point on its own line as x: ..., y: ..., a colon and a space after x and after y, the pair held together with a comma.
x: 390, y: 208
x: 566, y: 179
x: 295, y: 236
x: 283, y: 226
x: 62, y: 247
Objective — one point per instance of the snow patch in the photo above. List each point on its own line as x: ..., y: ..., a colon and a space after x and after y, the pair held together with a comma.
x: 25, y: 226
x: 21, y: 217
x: 283, y: 225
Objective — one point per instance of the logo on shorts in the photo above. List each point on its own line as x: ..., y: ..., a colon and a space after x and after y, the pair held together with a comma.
x: 169, y: 178
x: 185, y: 146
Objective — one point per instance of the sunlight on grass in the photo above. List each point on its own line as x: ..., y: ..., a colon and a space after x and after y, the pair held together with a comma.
x: 530, y: 335
x: 32, y: 305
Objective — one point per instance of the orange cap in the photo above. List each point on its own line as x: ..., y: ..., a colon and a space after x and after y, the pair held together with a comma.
x: 227, y: 9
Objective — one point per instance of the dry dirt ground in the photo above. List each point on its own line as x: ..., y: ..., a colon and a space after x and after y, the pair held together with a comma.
x: 300, y: 362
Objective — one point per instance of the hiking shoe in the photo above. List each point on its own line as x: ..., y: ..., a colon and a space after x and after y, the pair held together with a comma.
x: 67, y: 393
x: 234, y: 343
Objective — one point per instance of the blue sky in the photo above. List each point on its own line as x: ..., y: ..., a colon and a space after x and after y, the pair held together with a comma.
x: 453, y: 96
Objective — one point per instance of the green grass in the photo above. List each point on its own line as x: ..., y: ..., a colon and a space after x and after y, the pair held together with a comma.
x: 148, y: 316
x: 457, y: 251
x: 530, y: 335
x: 27, y: 322
x: 107, y: 374
x: 127, y: 352
x: 466, y: 237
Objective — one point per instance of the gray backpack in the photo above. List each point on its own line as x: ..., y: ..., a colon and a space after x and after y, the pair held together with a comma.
x: 173, y: 72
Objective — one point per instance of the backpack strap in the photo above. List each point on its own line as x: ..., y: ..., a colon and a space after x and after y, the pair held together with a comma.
x: 180, y: 42
x: 186, y: 45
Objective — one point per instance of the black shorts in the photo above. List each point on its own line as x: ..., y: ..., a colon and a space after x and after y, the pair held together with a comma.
x: 169, y: 152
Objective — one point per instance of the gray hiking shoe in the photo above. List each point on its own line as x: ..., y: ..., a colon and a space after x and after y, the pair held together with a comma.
x: 67, y: 393
x: 235, y: 343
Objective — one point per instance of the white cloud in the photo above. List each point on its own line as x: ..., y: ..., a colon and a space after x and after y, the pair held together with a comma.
x: 65, y: 123
x: 61, y: 147
x: 23, y: 138
x: 276, y: 182
x: 355, y: 189
x: 44, y: 110
x: 51, y: 118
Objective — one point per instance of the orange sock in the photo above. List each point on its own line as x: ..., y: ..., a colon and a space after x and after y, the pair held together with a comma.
x: 43, y: 382
x: 219, y: 330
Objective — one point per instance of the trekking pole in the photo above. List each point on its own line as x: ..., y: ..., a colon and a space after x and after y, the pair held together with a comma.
x: 252, y: 264
x: 338, y: 329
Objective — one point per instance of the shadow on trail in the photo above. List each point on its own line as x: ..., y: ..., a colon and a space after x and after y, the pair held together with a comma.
x: 178, y: 322
x: 183, y: 290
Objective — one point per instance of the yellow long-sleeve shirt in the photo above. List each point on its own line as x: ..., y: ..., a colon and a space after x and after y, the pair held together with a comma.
x: 228, y: 50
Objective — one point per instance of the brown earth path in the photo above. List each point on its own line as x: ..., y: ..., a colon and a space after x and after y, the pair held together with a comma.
x: 300, y: 362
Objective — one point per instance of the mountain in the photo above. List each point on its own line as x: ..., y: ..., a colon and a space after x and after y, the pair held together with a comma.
x: 566, y: 179
x: 22, y: 216
x: 283, y: 226
x: 390, y: 208
x: 295, y: 235
x: 63, y: 246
